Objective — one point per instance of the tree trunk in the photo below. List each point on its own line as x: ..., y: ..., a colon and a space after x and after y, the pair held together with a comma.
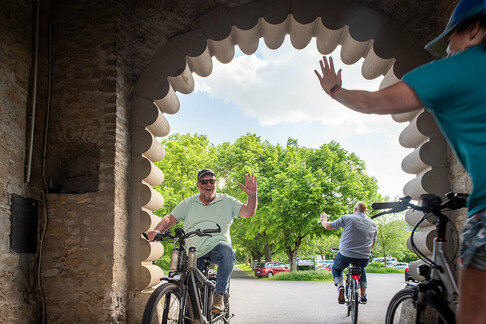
x: 268, y: 253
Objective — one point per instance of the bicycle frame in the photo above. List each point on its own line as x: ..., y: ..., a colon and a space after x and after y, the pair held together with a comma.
x: 443, y: 271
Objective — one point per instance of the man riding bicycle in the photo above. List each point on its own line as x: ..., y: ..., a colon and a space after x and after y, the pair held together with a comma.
x: 357, y: 241
x: 204, y: 211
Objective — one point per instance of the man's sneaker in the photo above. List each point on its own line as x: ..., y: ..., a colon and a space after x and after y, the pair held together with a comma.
x: 218, y: 305
x: 340, y: 294
x: 363, y: 300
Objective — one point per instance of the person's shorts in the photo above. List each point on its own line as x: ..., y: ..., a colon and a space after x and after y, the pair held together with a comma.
x: 473, y: 250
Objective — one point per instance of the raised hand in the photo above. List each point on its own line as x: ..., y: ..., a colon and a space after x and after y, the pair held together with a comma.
x: 250, y: 187
x: 329, y: 77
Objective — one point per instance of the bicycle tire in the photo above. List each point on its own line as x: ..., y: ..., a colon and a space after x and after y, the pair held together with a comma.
x: 354, y: 308
x: 156, y: 310
x: 402, y: 309
x: 348, y: 297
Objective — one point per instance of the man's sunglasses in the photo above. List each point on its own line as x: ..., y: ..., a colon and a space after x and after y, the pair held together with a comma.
x: 211, y: 181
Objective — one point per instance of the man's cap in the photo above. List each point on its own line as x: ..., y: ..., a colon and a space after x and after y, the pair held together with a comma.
x: 204, y: 172
x: 464, y: 10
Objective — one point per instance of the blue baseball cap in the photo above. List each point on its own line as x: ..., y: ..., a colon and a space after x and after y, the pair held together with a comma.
x: 464, y: 10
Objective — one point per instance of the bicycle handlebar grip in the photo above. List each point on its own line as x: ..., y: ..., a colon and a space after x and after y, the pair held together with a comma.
x: 215, y: 230
x: 385, y: 205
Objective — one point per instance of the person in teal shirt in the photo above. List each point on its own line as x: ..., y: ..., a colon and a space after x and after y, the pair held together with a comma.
x: 453, y: 90
x: 203, y: 211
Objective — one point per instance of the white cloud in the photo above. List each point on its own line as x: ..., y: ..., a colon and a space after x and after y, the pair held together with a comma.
x: 281, y: 87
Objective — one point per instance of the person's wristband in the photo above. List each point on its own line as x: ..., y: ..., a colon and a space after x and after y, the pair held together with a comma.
x: 253, y: 195
x: 334, y: 89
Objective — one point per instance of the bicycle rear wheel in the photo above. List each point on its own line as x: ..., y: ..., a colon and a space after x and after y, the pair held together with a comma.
x: 402, y: 309
x: 164, y: 306
x: 354, y: 307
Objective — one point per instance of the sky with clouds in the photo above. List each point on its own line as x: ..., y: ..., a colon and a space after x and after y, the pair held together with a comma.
x: 276, y: 95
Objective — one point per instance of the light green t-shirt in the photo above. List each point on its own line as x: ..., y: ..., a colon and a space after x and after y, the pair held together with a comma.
x: 196, y: 215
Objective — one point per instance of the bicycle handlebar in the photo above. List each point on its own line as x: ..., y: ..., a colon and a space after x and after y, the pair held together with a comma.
x: 430, y: 203
x: 180, y: 235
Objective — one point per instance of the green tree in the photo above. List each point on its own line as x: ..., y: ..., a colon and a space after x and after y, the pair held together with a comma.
x: 393, y: 232
x: 185, y: 155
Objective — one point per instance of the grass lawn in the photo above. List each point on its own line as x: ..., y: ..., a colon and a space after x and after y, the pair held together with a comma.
x: 318, y: 275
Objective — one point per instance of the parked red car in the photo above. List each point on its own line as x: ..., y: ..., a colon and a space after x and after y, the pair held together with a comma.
x: 269, y: 269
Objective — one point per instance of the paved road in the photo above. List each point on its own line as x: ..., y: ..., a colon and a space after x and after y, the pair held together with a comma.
x: 301, y: 302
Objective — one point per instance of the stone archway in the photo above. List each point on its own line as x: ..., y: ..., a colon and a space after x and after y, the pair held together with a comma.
x: 387, y: 49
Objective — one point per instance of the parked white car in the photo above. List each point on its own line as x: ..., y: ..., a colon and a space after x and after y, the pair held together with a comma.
x: 400, y: 265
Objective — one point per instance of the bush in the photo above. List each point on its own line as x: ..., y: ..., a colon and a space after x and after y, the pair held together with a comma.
x: 320, y: 275
x: 380, y: 268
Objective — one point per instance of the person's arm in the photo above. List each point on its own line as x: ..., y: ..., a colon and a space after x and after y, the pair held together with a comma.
x: 327, y: 225
x: 165, y: 223
x: 250, y: 188
x: 397, y: 98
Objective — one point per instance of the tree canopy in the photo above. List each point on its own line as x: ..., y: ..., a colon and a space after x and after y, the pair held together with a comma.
x: 295, y: 185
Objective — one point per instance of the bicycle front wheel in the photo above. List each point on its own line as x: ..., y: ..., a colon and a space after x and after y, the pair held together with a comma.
x: 165, y: 305
x: 403, y: 309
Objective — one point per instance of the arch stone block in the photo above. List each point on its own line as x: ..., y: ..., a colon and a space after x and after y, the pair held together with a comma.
x: 223, y: 50
x: 353, y: 50
x: 202, y: 65
x: 245, y: 17
x: 392, y: 41
x: 148, y: 275
x: 160, y: 127
x: 434, y: 180
x: 150, y: 251
x: 413, y: 216
x: 274, y: 12
x: 420, y: 128
x: 366, y: 23
x: 374, y: 66
x: 300, y: 34
x: 248, y: 40
x: 144, y: 170
x: 151, y: 86
x: 305, y: 11
x: 274, y: 35
x: 144, y: 112
x: 169, y: 104
x: 150, y: 198
x: 184, y: 82
x: 193, y: 43
x: 336, y: 14
x: 431, y: 153
x: 424, y: 240
x: 144, y: 143
x: 327, y: 39
x: 168, y: 61
x: 216, y: 24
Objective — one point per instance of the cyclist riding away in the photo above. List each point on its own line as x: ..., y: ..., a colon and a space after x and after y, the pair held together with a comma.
x: 452, y: 89
x: 357, y: 241
x: 204, y: 211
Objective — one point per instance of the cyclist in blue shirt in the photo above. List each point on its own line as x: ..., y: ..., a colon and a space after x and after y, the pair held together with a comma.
x: 453, y: 90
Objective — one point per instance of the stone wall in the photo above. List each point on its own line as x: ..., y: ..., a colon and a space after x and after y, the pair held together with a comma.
x: 18, y: 303
x: 87, y: 164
